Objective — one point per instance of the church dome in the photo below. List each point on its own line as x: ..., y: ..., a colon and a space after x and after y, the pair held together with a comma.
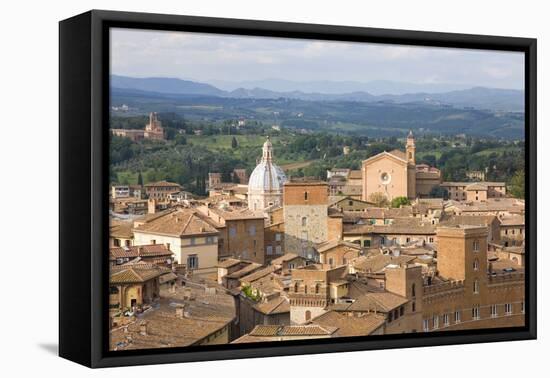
x: 267, y: 176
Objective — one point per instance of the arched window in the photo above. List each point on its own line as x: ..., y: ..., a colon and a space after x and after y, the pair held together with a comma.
x: 476, y: 264
x: 304, y: 221
x: 413, y: 290
x: 317, y: 287
x: 308, y: 315
x: 476, y: 287
x: 296, y: 287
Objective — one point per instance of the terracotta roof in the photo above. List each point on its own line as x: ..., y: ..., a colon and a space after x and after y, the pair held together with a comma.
x: 260, y: 273
x: 285, y: 258
x: 517, y: 220
x: 278, y: 305
x: 472, y: 220
x: 228, y: 263
x: 183, y: 222
x: 409, y: 226
x: 120, y: 229
x: 465, y: 184
x: 134, y: 274
x: 152, y: 250
x: 377, y: 263
x: 251, y: 267
x: 293, y: 330
x: 350, y: 325
x: 380, y: 302
x: 205, y: 315
x: 162, y: 183
x: 331, y: 244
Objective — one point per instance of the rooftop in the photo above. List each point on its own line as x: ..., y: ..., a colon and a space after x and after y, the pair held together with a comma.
x: 179, y: 223
x: 349, y: 325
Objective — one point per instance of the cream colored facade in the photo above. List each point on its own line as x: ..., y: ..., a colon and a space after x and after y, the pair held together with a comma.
x: 204, y: 248
x: 394, y: 174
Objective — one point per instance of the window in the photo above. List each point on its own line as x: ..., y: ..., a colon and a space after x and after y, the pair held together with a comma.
x: 457, y: 316
x: 291, y: 266
x: 278, y: 250
x: 308, y: 315
x: 193, y: 241
x: 401, y: 311
x: 331, y: 261
x: 192, y: 262
x: 408, y: 239
x: 430, y: 239
x: 523, y: 307
x: 426, y: 325
x: 445, y: 320
x: 255, y: 242
x: 295, y: 286
x: 127, y: 243
x: 413, y: 306
x: 317, y: 288
x: 435, y: 321
x: 252, y: 230
x: 168, y: 246
x: 413, y: 290
x: 494, y: 312
x: 269, y: 250
x: 305, y: 289
x: 277, y: 237
x: 350, y: 203
x: 232, y: 231
x: 476, y: 264
x: 304, y: 221
x: 390, y: 317
x: 508, y: 308
x: 476, y: 287
x: 305, y: 196
x: 366, y: 243
x: 116, y: 242
x: 475, y: 312
x: 476, y: 245
x: 153, y: 241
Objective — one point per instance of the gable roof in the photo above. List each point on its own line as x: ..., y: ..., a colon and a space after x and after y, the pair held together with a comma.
x: 351, y: 326
x: 395, y: 155
x: 180, y: 223
x: 152, y: 250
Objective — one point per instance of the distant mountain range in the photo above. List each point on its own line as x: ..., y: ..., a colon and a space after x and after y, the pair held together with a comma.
x: 478, y: 97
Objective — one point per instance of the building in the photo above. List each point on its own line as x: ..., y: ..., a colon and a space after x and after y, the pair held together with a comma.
x: 305, y: 211
x: 395, y: 174
x: 120, y: 233
x: 476, y: 175
x: 241, y: 232
x: 214, y: 179
x: 239, y: 176
x: 469, y: 293
x: 474, y: 191
x: 132, y: 286
x: 311, y: 290
x: 183, y: 231
x: 338, y: 252
x: 512, y: 230
x: 265, y: 186
x: 269, y: 333
x: 161, y: 190
x: 153, y: 130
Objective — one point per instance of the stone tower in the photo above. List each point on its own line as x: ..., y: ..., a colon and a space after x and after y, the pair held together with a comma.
x: 305, y: 208
x: 411, y: 149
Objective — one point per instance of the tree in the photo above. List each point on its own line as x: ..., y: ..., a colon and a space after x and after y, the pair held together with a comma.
x: 140, y: 179
x: 234, y: 143
x: 379, y: 199
x: 181, y: 140
x: 517, y: 184
x: 400, y: 201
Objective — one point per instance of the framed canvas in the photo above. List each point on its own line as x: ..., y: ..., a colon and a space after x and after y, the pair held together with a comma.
x: 235, y: 188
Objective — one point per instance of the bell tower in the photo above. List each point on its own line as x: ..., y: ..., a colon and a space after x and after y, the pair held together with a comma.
x: 411, y: 149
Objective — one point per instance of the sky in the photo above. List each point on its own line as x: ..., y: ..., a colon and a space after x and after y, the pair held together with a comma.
x: 212, y: 58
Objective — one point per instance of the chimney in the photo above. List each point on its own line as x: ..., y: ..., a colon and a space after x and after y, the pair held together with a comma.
x: 143, y: 328
x: 151, y: 206
x: 180, y: 311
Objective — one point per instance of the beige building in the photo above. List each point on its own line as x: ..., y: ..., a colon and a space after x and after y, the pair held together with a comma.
x: 153, y: 130
x: 183, y: 231
x: 161, y: 190
x: 395, y: 174
x: 474, y: 191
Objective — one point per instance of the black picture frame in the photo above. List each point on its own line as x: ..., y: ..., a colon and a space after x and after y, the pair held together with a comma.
x: 83, y: 181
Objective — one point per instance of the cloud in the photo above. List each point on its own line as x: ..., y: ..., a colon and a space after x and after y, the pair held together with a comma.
x: 204, y: 57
